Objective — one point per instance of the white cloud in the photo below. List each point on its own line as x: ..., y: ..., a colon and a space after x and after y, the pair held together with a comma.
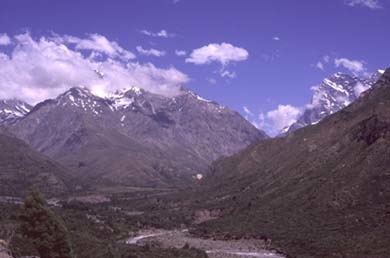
x: 320, y: 65
x: 372, y: 4
x: 180, y: 52
x: 224, y: 53
x: 326, y: 59
x: 37, y: 69
x: 212, y: 81
x: 274, y: 121
x: 227, y: 74
x: 258, y: 121
x: 276, y: 38
x: 159, y: 34
x: 352, y: 65
x: 4, y: 39
x: 360, y: 88
x: 283, y: 116
x: 150, y: 52
x: 95, y: 42
x: 247, y: 111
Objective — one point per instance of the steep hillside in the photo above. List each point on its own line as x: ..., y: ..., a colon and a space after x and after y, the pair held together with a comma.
x: 322, y: 191
x: 21, y: 167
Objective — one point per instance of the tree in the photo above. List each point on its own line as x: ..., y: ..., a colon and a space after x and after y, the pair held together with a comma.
x: 44, y: 228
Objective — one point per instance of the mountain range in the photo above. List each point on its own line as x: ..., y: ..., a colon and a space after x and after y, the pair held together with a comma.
x: 320, y: 190
x: 134, y: 137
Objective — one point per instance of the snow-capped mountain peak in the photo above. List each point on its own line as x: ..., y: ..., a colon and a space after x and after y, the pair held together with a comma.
x: 12, y: 110
x: 81, y: 98
x: 334, y: 93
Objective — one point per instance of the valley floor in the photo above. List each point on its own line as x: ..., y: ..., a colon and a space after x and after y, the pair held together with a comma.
x: 214, y: 248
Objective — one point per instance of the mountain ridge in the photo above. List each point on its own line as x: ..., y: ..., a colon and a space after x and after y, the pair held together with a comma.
x: 135, y: 136
x: 321, y: 191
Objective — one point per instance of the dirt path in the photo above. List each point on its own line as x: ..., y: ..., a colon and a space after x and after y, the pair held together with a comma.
x: 214, y: 248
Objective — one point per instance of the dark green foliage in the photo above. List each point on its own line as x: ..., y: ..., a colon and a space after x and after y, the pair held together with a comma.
x: 45, y: 229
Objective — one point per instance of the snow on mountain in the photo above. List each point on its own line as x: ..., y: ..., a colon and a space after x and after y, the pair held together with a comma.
x: 333, y: 94
x: 12, y: 110
x: 135, y: 135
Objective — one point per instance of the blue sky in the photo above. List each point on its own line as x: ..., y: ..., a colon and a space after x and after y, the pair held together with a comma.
x: 274, y: 50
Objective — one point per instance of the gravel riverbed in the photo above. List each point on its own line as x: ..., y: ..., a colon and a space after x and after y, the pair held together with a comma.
x: 214, y: 248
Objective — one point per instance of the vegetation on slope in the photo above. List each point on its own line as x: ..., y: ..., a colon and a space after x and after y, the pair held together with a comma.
x: 322, y: 191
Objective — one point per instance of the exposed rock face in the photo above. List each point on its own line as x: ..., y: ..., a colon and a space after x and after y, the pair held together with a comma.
x: 332, y: 95
x: 135, y: 137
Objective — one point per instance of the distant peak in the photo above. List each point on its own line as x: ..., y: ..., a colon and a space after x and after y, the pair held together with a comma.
x: 191, y: 93
x: 13, y: 109
x: 136, y: 90
x: 78, y: 92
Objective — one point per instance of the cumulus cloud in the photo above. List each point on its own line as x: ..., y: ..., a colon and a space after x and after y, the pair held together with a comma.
x: 274, y: 121
x: 258, y: 121
x: 96, y: 43
x: 353, y: 66
x: 372, y: 4
x: 159, y: 34
x: 360, y: 88
x: 224, y: 53
x: 37, y: 69
x: 180, y: 52
x: 283, y: 116
x: 150, y: 52
x: 4, y: 39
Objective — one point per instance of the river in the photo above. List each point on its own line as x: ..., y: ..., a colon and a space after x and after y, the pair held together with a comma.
x: 214, y: 248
